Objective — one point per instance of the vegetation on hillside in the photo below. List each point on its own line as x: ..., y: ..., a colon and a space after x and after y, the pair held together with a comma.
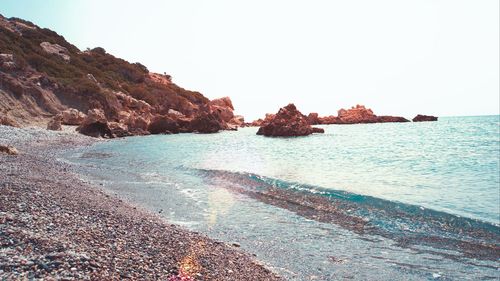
x: 110, y: 72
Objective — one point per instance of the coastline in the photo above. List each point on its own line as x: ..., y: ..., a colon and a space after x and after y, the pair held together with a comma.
x: 55, y: 225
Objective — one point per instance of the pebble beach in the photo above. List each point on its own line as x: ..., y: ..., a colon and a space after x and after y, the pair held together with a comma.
x: 56, y: 226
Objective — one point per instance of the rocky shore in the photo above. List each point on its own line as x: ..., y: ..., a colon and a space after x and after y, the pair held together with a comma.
x: 56, y: 226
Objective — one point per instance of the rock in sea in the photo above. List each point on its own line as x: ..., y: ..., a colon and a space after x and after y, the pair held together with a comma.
x: 422, y: 118
x: 288, y: 122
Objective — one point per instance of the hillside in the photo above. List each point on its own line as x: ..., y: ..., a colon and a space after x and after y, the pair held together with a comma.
x: 42, y: 76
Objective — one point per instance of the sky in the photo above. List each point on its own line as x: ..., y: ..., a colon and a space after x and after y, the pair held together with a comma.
x: 398, y: 57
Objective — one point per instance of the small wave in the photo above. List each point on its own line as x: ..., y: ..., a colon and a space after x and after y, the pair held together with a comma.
x: 95, y: 155
x: 407, y: 224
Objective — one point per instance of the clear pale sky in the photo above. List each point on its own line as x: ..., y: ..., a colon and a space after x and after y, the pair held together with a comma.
x: 398, y: 57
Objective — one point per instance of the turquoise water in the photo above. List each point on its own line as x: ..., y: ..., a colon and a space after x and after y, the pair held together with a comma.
x: 403, y: 181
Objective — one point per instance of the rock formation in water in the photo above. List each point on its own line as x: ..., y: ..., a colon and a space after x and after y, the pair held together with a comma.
x: 355, y: 115
x: 262, y: 122
x: 43, y: 76
x: 287, y: 122
x: 423, y: 118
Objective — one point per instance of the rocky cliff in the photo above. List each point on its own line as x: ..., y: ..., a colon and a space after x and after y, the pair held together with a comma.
x: 44, y: 78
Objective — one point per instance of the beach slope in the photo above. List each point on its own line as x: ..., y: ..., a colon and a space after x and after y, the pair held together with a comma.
x: 55, y: 225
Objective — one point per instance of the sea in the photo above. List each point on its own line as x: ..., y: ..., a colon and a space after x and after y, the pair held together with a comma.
x: 388, y: 201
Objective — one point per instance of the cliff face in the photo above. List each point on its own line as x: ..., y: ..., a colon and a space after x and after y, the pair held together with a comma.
x: 42, y: 75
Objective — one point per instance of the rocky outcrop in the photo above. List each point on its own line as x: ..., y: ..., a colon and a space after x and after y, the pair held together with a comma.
x: 175, y: 114
x: 137, y: 125
x: 55, y: 123
x: 56, y: 49
x: 131, y: 104
x: 424, y: 118
x: 238, y: 120
x: 355, y: 115
x: 223, y: 109
x: 326, y: 120
x: 313, y: 118
x: 163, y: 125
x: 28, y: 98
x: 288, y: 122
x: 96, y: 125
x: 72, y: 117
x: 7, y: 121
x: 206, y: 123
x: 262, y: 122
x: 10, y: 150
x: 119, y: 130
x: 318, y: 130
x: 256, y: 123
x: 55, y: 78
x: 7, y: 62
x: 391, y: 119
x: 224, y: 102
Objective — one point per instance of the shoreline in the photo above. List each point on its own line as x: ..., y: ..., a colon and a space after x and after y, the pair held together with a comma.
x: 53, y: 225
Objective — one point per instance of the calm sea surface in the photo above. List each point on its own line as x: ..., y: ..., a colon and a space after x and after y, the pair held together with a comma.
x: 405, y: 181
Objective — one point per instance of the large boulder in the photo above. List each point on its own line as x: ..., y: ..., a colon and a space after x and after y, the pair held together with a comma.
x: 57, y: 50
x: 95, y: 115
x: 96, y: 125
x: 72, y: 117
x: 423, y: 118
x: 137, y: 125
x: 223, y: 107
x: 10, y: 150
x: 119, y: 130
x: 163, y: 124
x: 96, y: 130
x: 222, y: 102
x: 224, y: 113
x: 287, y: 122
x: 206, y: 123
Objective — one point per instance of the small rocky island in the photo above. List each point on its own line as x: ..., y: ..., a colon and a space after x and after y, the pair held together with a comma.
x: 424, y: 118
x: 358, y: 114
x: 288, y: 122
